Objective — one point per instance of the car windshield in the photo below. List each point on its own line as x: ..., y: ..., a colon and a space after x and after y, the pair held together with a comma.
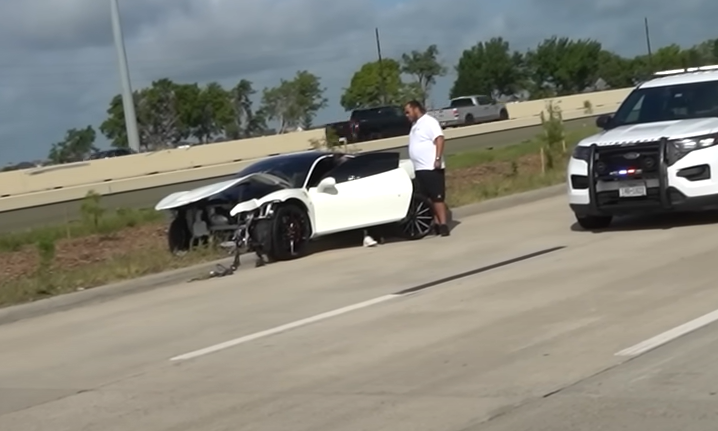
x: 669, y: 103
x: 294, y: 170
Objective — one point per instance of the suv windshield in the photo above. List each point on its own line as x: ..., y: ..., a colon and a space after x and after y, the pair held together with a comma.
x: 668, y: 103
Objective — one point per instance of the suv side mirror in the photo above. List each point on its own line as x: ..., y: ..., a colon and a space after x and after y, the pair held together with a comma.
x: 604, y: 121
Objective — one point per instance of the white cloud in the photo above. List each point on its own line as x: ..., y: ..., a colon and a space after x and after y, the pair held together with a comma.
x: 59, y: 67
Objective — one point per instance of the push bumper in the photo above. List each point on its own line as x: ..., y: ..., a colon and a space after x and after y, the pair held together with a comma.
x: 600, y: 193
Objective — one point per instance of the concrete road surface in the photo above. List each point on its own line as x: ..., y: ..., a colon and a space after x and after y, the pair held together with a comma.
x: 147, y: 198
x: 491, y: 338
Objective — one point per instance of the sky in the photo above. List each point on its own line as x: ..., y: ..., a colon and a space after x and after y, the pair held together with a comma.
x: 58, y: 65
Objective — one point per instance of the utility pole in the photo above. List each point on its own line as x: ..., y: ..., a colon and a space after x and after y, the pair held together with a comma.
x: 648, y: 43
x: 128, y: 103
x: 382, y: 81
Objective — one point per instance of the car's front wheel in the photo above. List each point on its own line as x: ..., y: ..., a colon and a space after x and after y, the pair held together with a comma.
x: 419, y: 220
x: 589, y: 222
x: 290, y: 233
x: 179, y: 237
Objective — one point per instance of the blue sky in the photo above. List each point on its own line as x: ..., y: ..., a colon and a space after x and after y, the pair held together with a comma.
x: 58, y: 67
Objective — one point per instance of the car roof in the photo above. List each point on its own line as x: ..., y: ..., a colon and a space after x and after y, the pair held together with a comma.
x: 300, y: 156
x: 682, y: 76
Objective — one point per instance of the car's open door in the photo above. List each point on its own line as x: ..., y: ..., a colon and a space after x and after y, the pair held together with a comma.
x: 368, y: 189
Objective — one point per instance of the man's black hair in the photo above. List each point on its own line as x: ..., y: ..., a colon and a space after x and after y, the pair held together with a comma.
x: 416, y: 104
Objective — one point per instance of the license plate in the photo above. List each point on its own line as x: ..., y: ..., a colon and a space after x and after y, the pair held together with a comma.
x: 632, y: 191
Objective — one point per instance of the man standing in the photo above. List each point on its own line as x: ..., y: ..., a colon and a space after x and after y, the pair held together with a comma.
x: 426, y: 151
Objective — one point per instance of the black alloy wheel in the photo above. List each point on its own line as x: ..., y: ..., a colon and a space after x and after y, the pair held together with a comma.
x: 419, y: 221
x: 290, y: 236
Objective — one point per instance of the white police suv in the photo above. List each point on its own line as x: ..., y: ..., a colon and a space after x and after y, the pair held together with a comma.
x: 657, y: 152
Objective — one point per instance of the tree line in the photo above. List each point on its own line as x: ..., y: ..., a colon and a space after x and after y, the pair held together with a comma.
x: 170, y: 113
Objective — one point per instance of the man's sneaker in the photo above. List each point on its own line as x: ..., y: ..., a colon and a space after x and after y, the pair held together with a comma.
x: 369, y: 241
x: 444, y: 230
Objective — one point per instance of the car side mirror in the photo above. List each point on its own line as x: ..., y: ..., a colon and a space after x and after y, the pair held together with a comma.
x: 327, y: 185
x: 604, y: 121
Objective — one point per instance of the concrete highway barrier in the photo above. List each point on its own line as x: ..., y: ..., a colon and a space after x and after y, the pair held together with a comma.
x: 55, y: 184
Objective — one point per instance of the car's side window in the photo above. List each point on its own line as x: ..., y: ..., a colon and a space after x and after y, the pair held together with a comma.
x: 320, y: 171
x: 364, y: 166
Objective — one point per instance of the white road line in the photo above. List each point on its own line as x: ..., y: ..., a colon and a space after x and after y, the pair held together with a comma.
x: 283, y: 328
x: 670, y: 335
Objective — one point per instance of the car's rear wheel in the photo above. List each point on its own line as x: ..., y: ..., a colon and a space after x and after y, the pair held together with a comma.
x: 469, y: 120
x: 290, y: 233
x: 419, y: 220
x: 589, y: 222
x: 503, y: 115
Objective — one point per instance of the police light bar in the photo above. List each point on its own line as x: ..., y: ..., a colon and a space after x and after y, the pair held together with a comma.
x: 686, y: 70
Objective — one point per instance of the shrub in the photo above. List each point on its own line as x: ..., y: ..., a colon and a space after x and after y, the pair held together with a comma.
x: 554, y: 135
x: 92, y: 210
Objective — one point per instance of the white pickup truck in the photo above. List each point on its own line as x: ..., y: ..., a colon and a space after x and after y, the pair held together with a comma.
x: 467, y: 110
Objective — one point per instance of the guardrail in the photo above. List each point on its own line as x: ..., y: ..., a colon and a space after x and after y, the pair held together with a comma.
x: 42, y: 186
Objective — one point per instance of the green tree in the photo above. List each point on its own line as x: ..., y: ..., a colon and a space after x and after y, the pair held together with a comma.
x: 159, y: 115
x: 374, y: 84
x: 245, y: 122
x: 211, y: 112
x: 674, y: 57
x: 489, y: 68
x: 616, y: 71
x: 114, y: 125
x: 76, y: 146
x: 562, y: 66
x: 424, y: 67
x: 310, y: 96
x: 294, y: 102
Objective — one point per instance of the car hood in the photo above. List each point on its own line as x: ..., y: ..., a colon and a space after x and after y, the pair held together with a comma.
x: 180, y: 199
x: 648, y: 132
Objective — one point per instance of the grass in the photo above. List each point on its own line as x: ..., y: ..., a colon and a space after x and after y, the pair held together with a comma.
x: 51, y: 280
x: 119, y: 220
x: 125, y: 244
x: 505, y: 171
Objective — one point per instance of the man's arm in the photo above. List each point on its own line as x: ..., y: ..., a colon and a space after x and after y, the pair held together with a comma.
x: 438, y: 134
x: 439, y: 142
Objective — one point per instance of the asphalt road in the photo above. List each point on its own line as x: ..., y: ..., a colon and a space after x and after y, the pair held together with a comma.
x: 325, y: 344
x: 147, y: 198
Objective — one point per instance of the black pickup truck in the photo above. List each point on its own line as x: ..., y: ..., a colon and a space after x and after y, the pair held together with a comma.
x: 372, y: 123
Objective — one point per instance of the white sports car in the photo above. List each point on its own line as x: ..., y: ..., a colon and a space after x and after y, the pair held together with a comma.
x: 275, y: 206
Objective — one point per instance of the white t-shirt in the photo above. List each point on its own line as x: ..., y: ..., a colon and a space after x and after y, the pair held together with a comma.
x: 422, y: 150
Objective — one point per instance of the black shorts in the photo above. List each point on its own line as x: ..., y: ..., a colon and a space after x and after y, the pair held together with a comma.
x: 432, y: 183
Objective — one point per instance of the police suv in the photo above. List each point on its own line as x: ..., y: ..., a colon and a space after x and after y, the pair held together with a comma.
x: 657, y: 152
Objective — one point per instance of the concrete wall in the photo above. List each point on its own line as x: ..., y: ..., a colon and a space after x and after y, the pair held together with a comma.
x: 31, y: 187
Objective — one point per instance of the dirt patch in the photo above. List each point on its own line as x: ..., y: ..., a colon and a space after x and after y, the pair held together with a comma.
x: 77, y: 252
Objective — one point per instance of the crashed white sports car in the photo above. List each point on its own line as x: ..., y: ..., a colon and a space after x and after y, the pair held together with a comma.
x: 275, y: 206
